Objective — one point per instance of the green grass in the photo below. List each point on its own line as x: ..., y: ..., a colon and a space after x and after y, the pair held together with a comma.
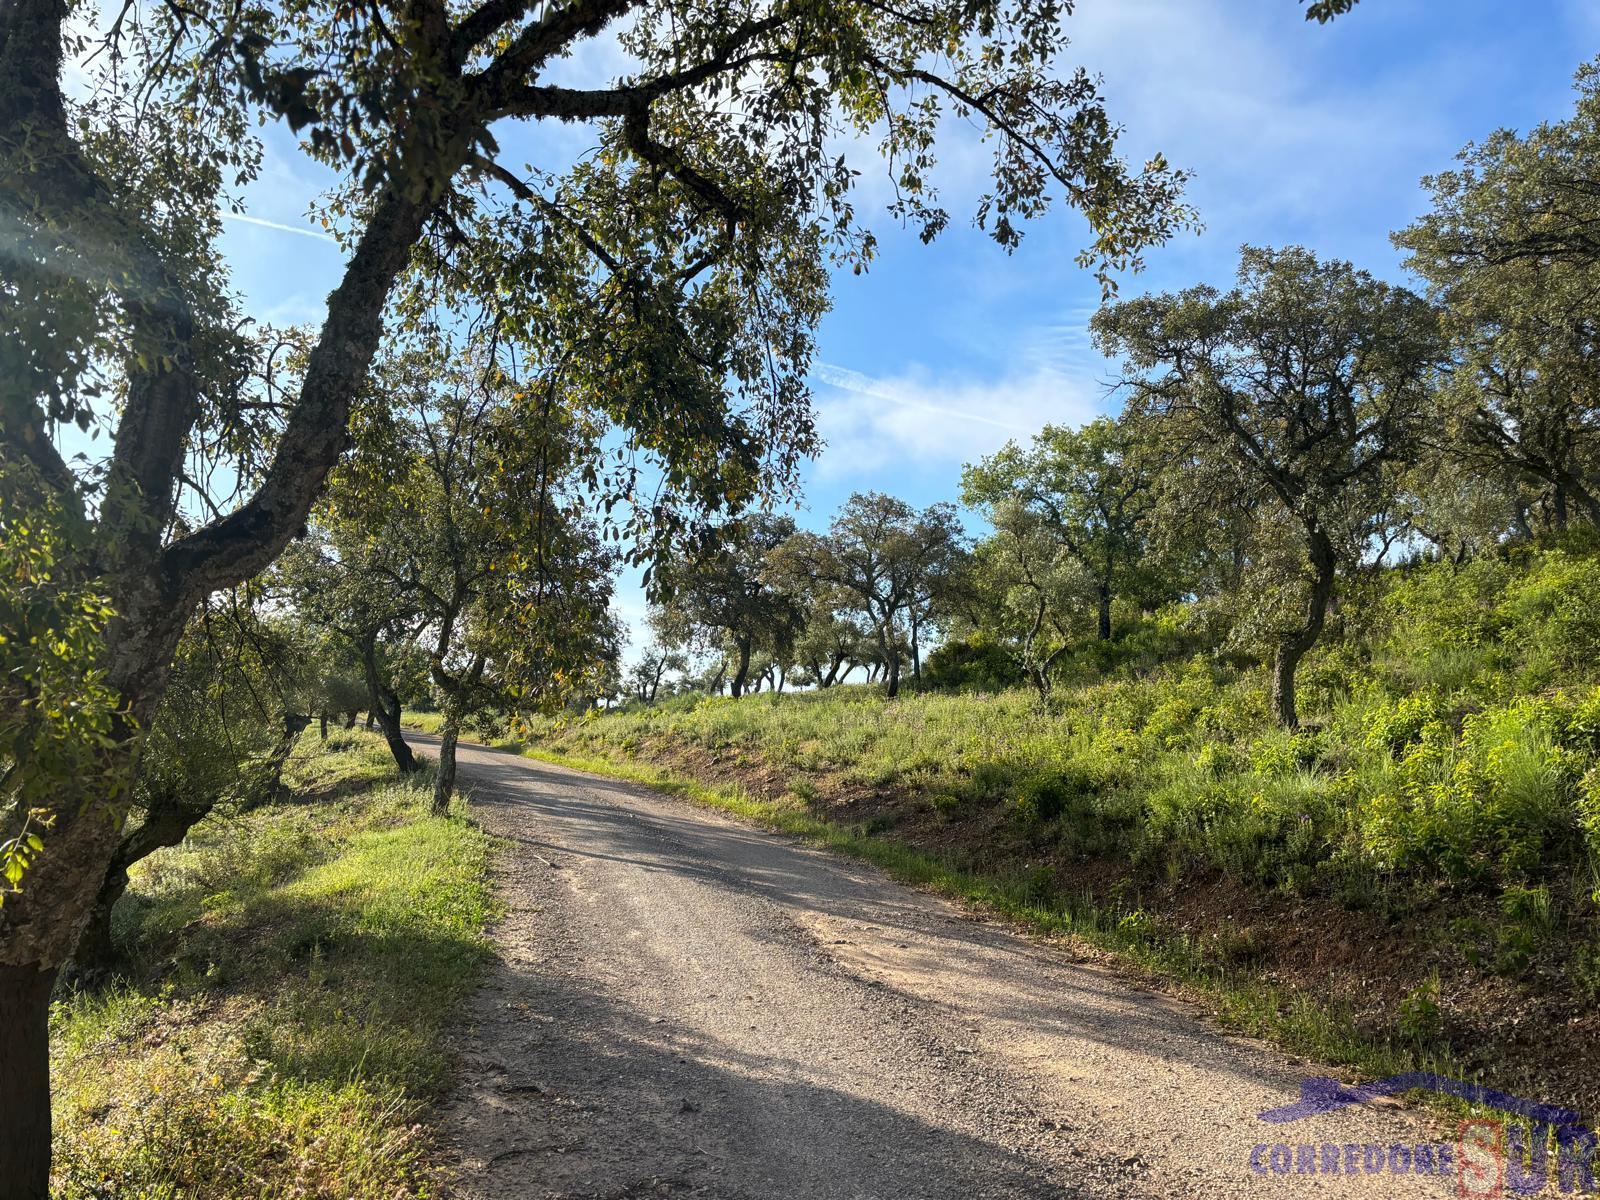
x: 423, y: 722
x: 1440, y: 805
x: 1452, y: 737
x: 291, y: 972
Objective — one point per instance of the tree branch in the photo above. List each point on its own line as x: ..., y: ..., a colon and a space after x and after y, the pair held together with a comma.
x: 236, y: 547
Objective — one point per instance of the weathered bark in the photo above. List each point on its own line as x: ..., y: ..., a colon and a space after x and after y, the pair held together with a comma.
x: 385, y: 706
x: 1038, y: 671
x: 25, y: 1081
x: 95, y: 957
x: 1292, y: 648
x: 1103, y: 603
x: 152, y: 589
x: 458, y: 689
x: 743, y: 673
x: 166, y: 822
x: 444, y: 781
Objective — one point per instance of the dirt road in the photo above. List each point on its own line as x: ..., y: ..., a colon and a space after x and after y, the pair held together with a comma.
x: 685, y: 1006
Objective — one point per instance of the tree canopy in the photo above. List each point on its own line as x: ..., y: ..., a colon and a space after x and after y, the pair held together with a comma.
x: 1312, y: 378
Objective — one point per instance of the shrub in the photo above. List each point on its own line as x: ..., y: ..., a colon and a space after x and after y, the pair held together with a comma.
x: 1047, y: 793
x: 1442, y: 604
x: 1496, y: 800
x: 971, y: 665
x: 990, y: 781
x: 1398, y: 724
x: 1421, y: 1019
x: 1551, y: 614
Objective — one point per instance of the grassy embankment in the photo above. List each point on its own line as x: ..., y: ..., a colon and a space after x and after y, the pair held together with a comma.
x: 1411, y: 879
x: 425, y: 722
x: 290, y: 973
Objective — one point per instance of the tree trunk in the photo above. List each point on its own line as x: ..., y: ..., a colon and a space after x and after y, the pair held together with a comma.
x: 894, y: 673
x: 166, y: 823
x: 96, y: 956
x: 1103, y: 599
x: 1293, y: 647
x: 25, y: 1081
x: 744, y: 667
x: 916, y: 653
x: 444, y: 783
x: 268, y: 785
x: 386, y: 706
x: 322, y: 719
x: 350, y: 719
x: 1284, y: 665
x: 370, y: 721
x: 1519, y: 521
x: 1585, y: 500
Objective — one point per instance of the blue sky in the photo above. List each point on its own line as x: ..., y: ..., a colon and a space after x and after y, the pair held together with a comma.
x: 1296, y: 133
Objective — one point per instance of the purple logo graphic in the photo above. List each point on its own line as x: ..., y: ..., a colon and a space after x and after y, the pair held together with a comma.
x: 1488, y: 1157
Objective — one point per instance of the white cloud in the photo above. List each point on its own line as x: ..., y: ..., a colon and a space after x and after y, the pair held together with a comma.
x: 1262, y: 106
x: 876, y: 423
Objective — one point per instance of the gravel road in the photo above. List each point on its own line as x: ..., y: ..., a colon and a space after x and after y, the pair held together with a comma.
x: 687, y: 1006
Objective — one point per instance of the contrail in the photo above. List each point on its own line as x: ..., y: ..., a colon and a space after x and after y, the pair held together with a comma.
x: 266, y: 224
x: 863, y: 385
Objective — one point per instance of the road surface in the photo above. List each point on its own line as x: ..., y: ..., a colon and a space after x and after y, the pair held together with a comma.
x: 687, y: 1006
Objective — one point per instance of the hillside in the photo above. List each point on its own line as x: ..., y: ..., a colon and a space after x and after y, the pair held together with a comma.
x: 1410, y: 876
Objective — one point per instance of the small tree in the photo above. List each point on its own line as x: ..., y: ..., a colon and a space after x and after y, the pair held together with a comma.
x: 1312, y: 377
x: 465, y: 504
x: 832, y: 644
x: 645, y: 680
x: 886, y: 562
x: 1031, y: 590
x: 728, y: 593
x: 1082, y: 490
x: 335, y: 578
